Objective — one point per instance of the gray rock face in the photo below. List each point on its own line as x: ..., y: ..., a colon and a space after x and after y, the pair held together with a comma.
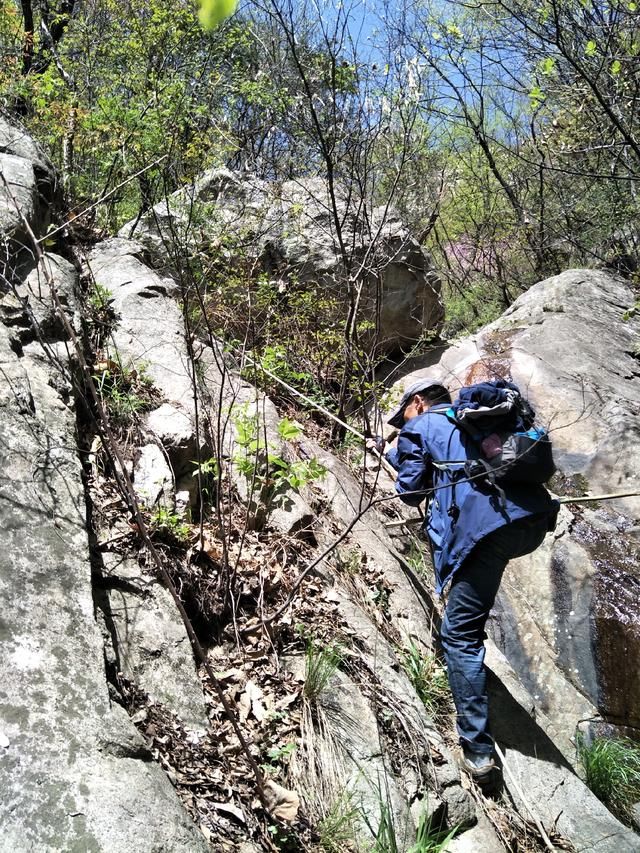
x: 567, y: 616
x: 27, y: 189
x: 149, y: 329
x: 74, y: 772
x: 575, y: 601
x: 149, y: 337
x: 147, y: 642
x: 291, y: 228
x: 351, y: 731
x: 146, y: 637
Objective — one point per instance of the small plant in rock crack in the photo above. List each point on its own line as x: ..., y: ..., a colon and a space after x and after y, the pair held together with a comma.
x: 337, y: 829
x: 321, y: 662
x: 169, y: 525
x: 431, y: 838
x: 125, y: 392
x: 349, y: 561
x: 208, y: 470
x: 429, y: 679
x: 612, y: 772
x: 386, y: 836
x: 99, y: 301
x: 416, y: 559
x: 278, y: 756
x: 101, y: 314
x: 269, y: 472
x: 391, y: 838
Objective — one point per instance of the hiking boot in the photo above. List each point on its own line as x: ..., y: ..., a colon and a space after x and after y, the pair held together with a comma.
x: 478, y: 765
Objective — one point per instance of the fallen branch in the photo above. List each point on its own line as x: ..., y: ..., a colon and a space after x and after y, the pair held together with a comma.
x: 587, y: 498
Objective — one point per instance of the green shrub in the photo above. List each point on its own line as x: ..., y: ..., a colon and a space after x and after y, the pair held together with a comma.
x: 101, y: 314
x: 169, y: 525
x: 612, y: 772
x: 269, y: 472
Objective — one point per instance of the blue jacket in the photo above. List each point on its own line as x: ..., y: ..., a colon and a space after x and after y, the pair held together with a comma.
x: 460, y: 513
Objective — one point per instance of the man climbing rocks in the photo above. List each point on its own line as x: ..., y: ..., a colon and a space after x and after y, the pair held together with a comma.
x: 474, y: 531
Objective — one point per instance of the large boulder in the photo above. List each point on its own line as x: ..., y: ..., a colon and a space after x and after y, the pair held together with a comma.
x: 566, y: 616
x: 290, y: 230
x: 27, y: 191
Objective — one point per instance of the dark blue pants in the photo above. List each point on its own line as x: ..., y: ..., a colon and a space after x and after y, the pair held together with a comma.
x: 471, y: 597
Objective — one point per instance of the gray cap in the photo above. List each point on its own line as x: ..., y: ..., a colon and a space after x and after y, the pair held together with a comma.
x: 397, y: 416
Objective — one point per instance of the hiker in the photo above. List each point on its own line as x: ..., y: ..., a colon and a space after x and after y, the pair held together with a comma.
x: 474, y: 530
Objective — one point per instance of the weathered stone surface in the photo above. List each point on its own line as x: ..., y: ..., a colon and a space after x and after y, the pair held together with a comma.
x: 15, y: 140
x: 294, y: 237
x: 74, y: 773
x: 149, y: 329
x: 481, y: 838
x: 461, y: 810
x: 428, y: 809
x: 92, y: 785
x: 39, y: 305
x: 147, y: 640
x: 352, y: 729
x: 149, y: 336
x: 153, y: 477
x: 19, y: 197
x: 535, y: 766
x: 29, y: 189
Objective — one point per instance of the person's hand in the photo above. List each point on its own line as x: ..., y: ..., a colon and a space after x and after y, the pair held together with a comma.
x: 378, y: 444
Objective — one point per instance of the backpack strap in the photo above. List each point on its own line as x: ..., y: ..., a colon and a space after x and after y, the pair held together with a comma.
x: 446, y: 465
x: 451, y: 417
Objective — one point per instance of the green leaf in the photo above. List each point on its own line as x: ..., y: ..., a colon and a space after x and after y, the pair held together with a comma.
x: 590, y: 49
x: 547, y: 66
x: 632, y: 7
x: 277, y: 462
x: 615, y: 67
x: 537, y: 95
x: 287, y: 430
x: 213, y: 12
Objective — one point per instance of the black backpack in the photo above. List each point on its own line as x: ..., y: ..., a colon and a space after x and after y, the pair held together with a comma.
x: 501, y: 423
